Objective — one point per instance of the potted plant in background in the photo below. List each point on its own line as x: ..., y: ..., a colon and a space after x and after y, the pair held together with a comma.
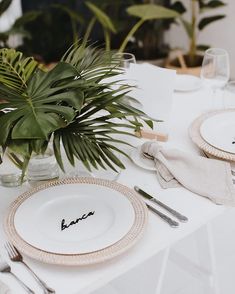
x: 191, y: 61
x: 60, y: 106
x: 148, y: 43
x: 145, y: 13
x: 143, y: 37
x: 104, y: 22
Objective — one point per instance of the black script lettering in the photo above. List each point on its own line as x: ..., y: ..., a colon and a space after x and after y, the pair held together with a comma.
x: 74, y: 222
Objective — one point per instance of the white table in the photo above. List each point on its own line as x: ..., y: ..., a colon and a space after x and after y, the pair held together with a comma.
x: 159, y: 237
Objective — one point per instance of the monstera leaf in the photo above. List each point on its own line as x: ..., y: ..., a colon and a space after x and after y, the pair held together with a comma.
x: 43, y: 107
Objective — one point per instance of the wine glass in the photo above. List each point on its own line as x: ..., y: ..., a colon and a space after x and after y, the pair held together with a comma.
x: 215, y: 69
x: 125, y: 60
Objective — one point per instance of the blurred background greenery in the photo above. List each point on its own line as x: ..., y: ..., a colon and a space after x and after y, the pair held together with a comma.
x: 49, y: 27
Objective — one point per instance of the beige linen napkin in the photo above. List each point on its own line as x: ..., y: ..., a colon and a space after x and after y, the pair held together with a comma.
x: 4, y: 289
x: 208, y: 177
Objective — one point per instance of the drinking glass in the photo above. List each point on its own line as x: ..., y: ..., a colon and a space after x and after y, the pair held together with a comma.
x: 215, y: 69
x: 123, y: 62
x: 43, y: 167
x: 125, y: 59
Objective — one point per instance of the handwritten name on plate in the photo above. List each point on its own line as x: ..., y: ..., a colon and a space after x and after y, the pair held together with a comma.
x: 84, y: 216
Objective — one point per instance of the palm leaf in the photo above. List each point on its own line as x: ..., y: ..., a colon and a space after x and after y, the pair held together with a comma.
x: 42, y: 108
x: 64, y: 104
x: 92, y: 61
x: 15, y: 70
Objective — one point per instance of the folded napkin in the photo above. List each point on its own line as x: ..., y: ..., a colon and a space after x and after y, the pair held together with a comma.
x: 4, y: 289
x: 208, y: 177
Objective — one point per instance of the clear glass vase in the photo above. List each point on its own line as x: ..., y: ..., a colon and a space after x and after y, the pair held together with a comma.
x: 10, y: 172
x: 43, y: 167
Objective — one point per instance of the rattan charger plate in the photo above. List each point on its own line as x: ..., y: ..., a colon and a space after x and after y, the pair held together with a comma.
x: 211, y: 151
x: 133, y: 235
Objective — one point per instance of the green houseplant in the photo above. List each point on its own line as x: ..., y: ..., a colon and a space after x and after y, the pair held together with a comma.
x: 199, y: 20
x: 60, y: 105
x: 113, y: 25
x: 143, y: 12
x: 146, y: 12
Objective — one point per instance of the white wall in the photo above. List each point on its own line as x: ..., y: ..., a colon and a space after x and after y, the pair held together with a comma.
x: 219, y: 34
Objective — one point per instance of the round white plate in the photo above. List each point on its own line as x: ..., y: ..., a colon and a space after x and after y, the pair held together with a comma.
x: 219, y: 131
x: 103, y: 229
x: 74, y: 219
x: 141, y: 161
x: 187, y: 83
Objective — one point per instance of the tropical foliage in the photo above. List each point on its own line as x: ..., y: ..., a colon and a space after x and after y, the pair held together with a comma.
x: 199, y: 20
x: 63, y: 106
x: 129, y: 25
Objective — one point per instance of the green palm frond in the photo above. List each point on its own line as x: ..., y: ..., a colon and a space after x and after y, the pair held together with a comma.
x: 72, y: 104
x: 15, y: 70
x: 92, y: 62
x: 92, y: 138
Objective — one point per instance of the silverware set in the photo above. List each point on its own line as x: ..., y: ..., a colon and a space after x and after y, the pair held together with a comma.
x: 167, y: 219
x: 5, y: 268
x: 15, y: 256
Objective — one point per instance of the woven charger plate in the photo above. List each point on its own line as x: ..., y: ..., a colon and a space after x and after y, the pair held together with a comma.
x: 211, y: 151
x: 136, y: 231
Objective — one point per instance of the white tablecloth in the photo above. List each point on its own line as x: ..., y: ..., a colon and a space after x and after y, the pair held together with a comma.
x: 186, y: 107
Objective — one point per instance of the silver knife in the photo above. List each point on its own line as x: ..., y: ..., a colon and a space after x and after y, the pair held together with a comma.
x: 166, y: 218
x: 175, y: 213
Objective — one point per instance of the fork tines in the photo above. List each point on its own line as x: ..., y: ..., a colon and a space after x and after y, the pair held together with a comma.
x: 11, y: 250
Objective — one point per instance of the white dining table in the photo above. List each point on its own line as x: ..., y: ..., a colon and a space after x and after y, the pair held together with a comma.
x: 159, y: 237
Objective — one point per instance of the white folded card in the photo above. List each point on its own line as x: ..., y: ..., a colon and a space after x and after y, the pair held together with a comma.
x: 154, y: 89
x: 155, y: 86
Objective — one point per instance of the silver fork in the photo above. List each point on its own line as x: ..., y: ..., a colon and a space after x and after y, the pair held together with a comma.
x: 5, y: 268
x: 15, y: 255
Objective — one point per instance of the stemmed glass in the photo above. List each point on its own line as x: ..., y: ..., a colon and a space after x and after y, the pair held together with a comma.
x: 215, y: 69
x: 125, y: 59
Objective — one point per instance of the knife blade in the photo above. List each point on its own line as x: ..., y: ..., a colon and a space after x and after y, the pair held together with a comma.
x: 175, y: 213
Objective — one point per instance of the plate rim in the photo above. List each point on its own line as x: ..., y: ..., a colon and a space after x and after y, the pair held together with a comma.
x: 194, y: 134
x: 104, y: 194
x: 206, y: 139
x: 134, y: 234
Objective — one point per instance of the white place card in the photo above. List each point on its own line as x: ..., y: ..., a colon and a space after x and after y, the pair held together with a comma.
x: 155, y: 86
